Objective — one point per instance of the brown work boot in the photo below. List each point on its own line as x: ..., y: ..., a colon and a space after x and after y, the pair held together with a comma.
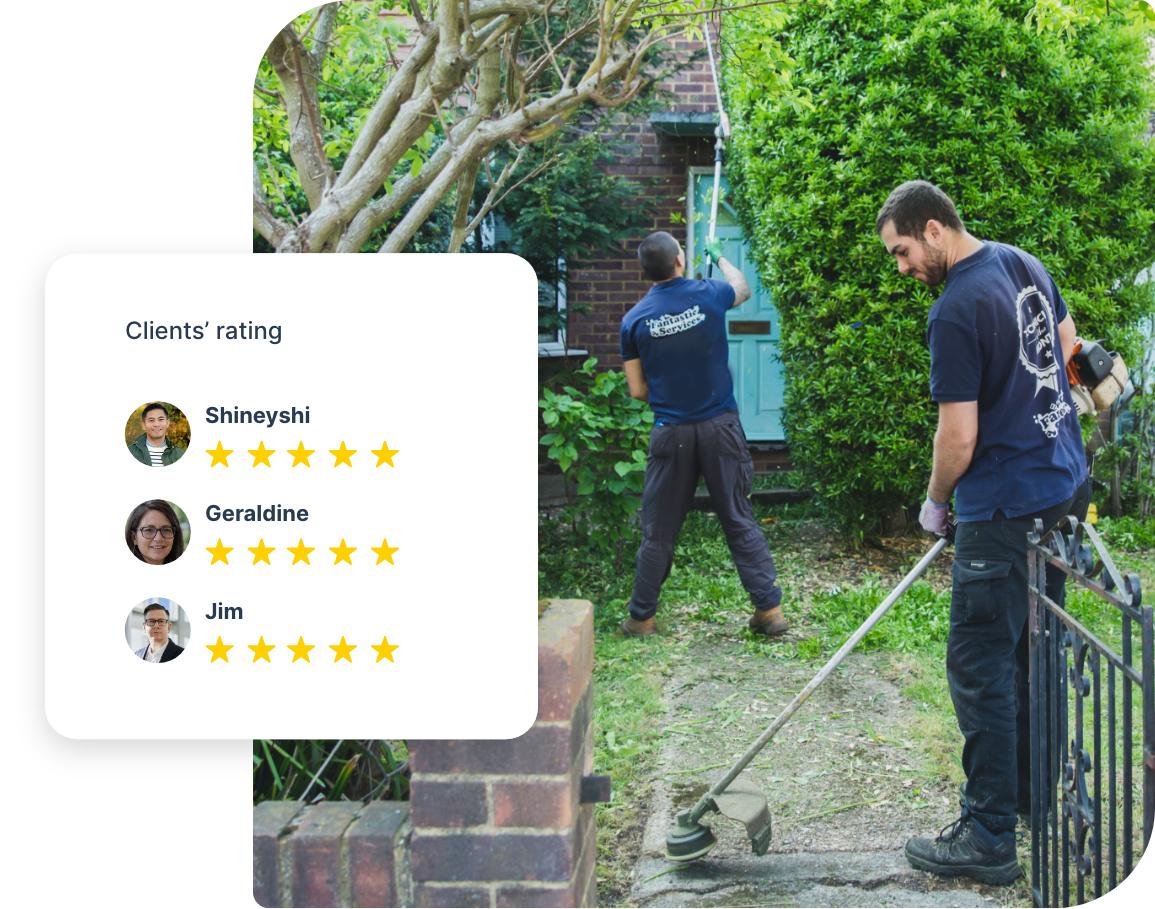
x: 769, y: 622
x: 638, y: 628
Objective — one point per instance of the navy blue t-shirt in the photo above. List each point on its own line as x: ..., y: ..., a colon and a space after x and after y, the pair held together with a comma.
x: 994, y: 339
x: 678, y: 331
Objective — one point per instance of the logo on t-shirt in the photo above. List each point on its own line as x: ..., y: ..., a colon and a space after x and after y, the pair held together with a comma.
x: 1037, y: 338
x: 1050, y: 421
x: 672, y: 325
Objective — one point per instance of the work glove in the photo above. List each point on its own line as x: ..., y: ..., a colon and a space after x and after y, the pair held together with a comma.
x: 714, y: 249
x: 933, y: 516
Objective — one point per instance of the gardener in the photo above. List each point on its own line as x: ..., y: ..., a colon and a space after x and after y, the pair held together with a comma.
x: 674, y: 350
x: 1008, y: 448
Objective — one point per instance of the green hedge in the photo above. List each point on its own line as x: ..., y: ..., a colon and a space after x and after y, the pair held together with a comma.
x: 1038, y: 137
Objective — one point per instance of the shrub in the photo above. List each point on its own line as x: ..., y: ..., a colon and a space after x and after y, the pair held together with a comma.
x: 1037, y: 136
x: 597, y: 434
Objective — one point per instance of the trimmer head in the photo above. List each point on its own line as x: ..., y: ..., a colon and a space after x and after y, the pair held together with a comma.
x: 688, y: 840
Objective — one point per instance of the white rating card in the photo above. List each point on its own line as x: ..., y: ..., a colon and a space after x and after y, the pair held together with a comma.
x: 291, y: 496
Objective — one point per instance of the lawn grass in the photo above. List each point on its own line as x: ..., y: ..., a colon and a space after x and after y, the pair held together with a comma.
x: 704, y: 590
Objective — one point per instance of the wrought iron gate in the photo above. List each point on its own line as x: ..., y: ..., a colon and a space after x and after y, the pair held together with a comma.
x: 1086, y: 790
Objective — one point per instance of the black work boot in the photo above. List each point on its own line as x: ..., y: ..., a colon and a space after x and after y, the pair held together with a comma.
x: 967, y: 848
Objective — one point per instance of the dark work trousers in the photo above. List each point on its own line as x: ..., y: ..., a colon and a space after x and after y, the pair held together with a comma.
x: 679, y: 455
x: 987, y: 655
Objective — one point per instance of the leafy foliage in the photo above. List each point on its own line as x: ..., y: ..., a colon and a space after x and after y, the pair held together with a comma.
x: 597, y: 434
x: 920, y: 620
x: 572, y: 209
x: 310, y: 770
x: 1129, y: 533
x: 1038, y: 136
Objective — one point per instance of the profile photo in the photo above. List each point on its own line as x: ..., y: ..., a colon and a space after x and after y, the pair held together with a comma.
x: 157, y: 630
x: 157, y: 532
x: 157, y: 434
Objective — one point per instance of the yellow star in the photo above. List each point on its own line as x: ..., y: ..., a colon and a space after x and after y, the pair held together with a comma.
x: 342, y: 552
x: 261, y: 650
x: 343, y: 651
x: 220, y: 455
x: 385, y: 454
x: 220, y: 552
x: 301, y: 454
x: 261, y: 454
x: 301, y: 650
x: 343, y: 455
x: 384, y: 650
x: 220, y: 650
x: 261, y: 552
x: 301, y: 552
x: 384, y: 552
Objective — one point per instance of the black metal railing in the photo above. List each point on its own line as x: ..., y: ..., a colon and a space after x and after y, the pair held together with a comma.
x: 1089, y: 774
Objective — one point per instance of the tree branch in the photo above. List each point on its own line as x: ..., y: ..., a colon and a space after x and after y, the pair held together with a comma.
x: 399, y: 88
x: 325, y: 20
x: 519, y: 124
x: 719, y: 8
x: 265, y: 222
x: 488, y: 93
x: 298, y: 78
x: 492, y: 199
x: 465, y: 185
x: 377, y: 212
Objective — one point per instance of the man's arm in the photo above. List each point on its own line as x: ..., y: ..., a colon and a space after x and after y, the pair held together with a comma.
x: 954, y: 446
x: 636, y: 378
x: 1067, y: 336
x: 735, y: 279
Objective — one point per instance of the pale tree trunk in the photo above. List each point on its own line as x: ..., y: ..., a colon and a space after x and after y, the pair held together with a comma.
x: 298, y: 74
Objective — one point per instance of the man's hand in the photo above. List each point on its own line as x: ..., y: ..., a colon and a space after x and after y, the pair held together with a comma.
x: 714, y: 249
x: 933, y: 516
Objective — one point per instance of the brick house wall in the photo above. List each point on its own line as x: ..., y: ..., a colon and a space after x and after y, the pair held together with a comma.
x: 611, y: 285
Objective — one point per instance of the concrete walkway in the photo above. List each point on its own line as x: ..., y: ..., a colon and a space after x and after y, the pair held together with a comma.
x: 842, y: 782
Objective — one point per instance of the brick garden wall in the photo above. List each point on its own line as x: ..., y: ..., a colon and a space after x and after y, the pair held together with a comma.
x: 489, y: 823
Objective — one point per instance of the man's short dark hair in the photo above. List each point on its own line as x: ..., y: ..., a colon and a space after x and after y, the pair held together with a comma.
x: 155, y: 405
x: 151, y: 606
x: 912, y: 204
x: 658, y: 254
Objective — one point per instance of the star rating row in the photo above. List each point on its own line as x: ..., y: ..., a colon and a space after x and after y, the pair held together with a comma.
x: 301, y: 455
x: 342, y: 651
x: 302, y: 553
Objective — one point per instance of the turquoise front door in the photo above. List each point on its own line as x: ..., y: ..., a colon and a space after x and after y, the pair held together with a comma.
x: 753, y: 326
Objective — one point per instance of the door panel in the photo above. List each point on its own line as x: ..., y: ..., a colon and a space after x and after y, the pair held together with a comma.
x: 754, y: 350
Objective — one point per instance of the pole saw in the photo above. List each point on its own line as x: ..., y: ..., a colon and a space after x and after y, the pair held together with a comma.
x: 721, y: 134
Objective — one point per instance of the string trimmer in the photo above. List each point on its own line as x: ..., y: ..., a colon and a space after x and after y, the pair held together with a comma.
x: 740, y: 799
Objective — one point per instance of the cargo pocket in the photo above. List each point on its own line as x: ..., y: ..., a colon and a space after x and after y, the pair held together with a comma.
x: 732, y: 440
x: 980, y: 590
x: 662, y: 441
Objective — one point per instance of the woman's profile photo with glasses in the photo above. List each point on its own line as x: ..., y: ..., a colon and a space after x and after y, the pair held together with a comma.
x: 157, y: 532
x: 157, y: 630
